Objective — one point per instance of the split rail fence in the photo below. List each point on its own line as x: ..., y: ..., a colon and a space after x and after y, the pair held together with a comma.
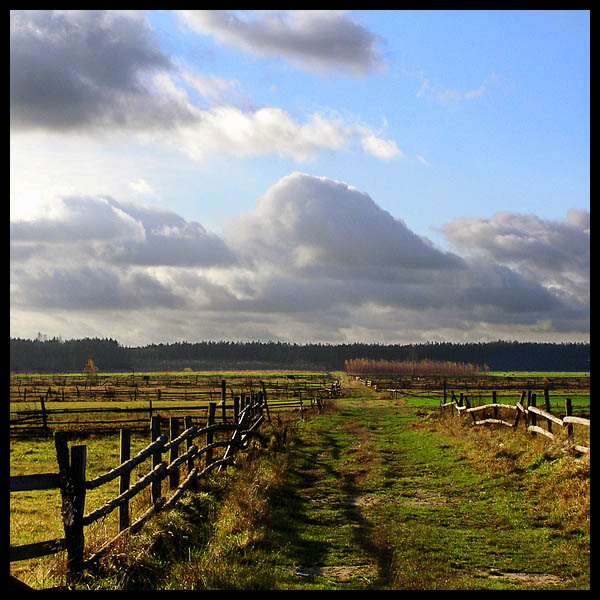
x: 186, y: 464
x: 489, y: 414
x: 526, y: 408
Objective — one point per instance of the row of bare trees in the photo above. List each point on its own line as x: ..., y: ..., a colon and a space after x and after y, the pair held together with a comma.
x: 365, y: 366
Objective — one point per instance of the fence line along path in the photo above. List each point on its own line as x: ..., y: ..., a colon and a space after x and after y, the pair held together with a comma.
x: 179, y: 459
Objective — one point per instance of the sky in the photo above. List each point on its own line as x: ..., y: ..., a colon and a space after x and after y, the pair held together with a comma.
x: 385, y: 177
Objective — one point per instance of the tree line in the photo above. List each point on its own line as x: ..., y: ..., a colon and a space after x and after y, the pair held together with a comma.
x: 58, y: 355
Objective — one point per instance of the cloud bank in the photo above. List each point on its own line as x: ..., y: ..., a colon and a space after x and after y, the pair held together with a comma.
x: 73, y: 70
x: 315, y: 260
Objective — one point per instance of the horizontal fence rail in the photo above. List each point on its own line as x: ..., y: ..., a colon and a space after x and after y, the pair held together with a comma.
x: 457, y: 403
x: 532, y: 416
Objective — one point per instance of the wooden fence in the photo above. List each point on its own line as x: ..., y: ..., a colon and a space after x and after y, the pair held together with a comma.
x: 435, y: 383
x: 70, y: 388
x: 526, y: 409
x: 186, y: 464
x: 109, y: 414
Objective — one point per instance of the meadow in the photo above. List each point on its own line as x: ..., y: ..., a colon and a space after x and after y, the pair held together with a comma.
x: 375, y: 493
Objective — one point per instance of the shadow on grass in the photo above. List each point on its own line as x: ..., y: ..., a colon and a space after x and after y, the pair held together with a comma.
x: 318, y: 498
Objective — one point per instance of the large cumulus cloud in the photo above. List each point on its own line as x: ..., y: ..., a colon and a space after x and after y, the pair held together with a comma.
x: 316, y: 260
x: 315, y: 224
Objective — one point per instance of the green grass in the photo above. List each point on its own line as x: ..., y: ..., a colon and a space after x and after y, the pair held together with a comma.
x: 435, y: 521
x: 374, y: 494
x: 374, y: 497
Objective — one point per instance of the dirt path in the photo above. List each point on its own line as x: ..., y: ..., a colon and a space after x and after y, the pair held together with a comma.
x: 377, y: 501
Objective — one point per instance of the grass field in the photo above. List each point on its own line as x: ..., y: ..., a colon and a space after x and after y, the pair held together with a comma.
x: 375, y: 493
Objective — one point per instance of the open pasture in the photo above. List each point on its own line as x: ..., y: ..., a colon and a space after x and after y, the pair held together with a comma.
x: 42, y: 403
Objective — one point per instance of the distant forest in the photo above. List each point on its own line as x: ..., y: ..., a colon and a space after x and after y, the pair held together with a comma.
x: 57, y: 355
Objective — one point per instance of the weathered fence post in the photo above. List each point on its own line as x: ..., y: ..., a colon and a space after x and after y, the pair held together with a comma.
x: 569, y: 411
x: 124, y: 479
x: 174, y: 452
x: 189, y: 443
x: 525, y: 403
x: 212, y: 407
x: 72, y: 489
x: 262, y: 384
x: 44, y: 417
x: 223, y: 398
x: 547, y: 402
x: 494, y: 401
x: 532, y: 402
x: 236, y: 409
x: 156, y: 457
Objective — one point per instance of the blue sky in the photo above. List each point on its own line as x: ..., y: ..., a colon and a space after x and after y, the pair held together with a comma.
x: 522, y: 144
x: 465, y: 130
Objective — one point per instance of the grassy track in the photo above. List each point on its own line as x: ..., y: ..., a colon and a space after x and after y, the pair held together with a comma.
x: 380, y: 500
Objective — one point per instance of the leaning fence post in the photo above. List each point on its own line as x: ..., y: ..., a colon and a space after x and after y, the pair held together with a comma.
x: 124, y: 479
x: 547, y: 399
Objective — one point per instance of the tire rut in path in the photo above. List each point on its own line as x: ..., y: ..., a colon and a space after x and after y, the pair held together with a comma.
x: 355, y: 466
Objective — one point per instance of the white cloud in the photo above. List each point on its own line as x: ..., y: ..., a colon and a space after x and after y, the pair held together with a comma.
x: 216, y: 90
x: 271, y: 130
x: 380, y: 148
x: 328, y: 228
x: 556, y: 253
x: 142, y: 187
